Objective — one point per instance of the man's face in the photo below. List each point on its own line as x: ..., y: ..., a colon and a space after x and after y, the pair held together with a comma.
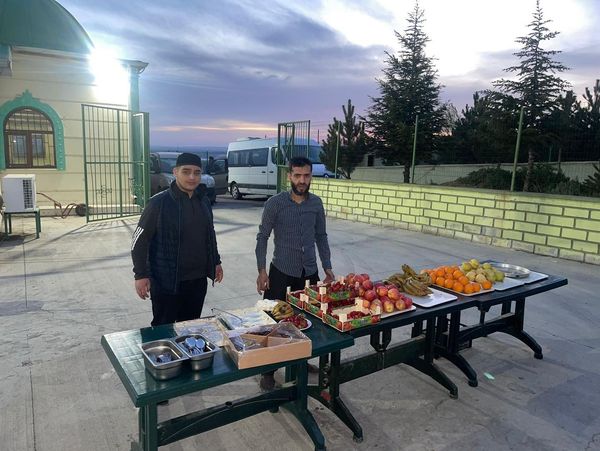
x: 300, y: 178
x: 187, y: 177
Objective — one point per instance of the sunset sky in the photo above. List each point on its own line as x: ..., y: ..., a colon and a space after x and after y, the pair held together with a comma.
x: 220, y: 70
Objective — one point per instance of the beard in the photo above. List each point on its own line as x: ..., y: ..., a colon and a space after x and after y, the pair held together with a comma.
x: 300, y: 190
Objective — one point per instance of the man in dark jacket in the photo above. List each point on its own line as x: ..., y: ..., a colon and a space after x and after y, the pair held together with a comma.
x: 174, y: 247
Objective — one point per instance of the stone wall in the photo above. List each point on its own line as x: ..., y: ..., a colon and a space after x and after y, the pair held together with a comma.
x: 558, y: 226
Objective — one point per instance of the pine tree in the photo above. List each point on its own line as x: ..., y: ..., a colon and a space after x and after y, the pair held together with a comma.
x: 536, y: 84
x: 353, y: 143
x: 408, y: 88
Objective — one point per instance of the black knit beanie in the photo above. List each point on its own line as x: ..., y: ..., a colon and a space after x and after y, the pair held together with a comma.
x: 191, y: 159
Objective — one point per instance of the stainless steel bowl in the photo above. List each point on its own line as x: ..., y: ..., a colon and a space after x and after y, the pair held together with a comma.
x: 202, y: 360
x: 163, y: 359
x: 512, y: 271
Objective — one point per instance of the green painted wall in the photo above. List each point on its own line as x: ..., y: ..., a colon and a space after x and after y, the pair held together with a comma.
x: 558, y: 226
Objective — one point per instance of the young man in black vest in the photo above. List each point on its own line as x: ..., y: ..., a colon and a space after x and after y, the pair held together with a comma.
x: 174, y: 247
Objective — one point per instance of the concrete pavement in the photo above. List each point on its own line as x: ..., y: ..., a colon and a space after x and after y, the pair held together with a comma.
x: 59, y: 294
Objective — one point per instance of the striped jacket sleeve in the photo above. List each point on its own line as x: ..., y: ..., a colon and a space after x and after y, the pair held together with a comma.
x: 140, y: 243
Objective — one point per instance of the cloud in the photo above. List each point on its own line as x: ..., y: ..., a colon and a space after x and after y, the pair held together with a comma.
x: 215, y: 64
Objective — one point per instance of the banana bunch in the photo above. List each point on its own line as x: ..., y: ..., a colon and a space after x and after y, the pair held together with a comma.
x: 415, y: 287
x: 410, y: 282
x: 282, y: 310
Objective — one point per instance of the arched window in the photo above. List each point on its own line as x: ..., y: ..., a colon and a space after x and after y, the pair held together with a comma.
x: 29, y: 139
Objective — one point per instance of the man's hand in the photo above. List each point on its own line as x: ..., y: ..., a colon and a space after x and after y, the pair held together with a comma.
x: 218, y: 273
x: 262, y: 281
x: 329, y: 276
x: 142, y: 287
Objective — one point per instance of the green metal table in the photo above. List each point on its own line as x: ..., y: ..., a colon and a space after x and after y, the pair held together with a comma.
x: 123, y: 351
x: 452, y: 337
x: 417, y: 352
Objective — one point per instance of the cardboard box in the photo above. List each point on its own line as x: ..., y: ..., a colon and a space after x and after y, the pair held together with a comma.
x: 343, y: 323
x: 295, y: 298
x: 323, y: 293
x: 269, y: 348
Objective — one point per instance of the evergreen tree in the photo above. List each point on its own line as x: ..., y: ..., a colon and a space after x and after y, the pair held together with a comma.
x: 352, y: 146
x: 408, y: 88
x: 536, y: 85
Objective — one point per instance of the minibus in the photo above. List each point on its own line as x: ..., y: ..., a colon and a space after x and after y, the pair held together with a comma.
x: 253, y: 165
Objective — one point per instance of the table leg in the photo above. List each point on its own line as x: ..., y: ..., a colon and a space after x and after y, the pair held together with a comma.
x: 301, y: 407
x: 426, y: 365
x: 328, y: 393
x: 148, y: 434
x: 520, y: 334
x: 38, y: 224
x: 453, y: 353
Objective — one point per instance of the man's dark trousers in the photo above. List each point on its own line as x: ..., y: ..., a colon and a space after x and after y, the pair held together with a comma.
x: 186, y: 305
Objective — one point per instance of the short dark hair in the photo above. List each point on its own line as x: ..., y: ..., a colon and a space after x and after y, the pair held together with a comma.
x: 300, y: 162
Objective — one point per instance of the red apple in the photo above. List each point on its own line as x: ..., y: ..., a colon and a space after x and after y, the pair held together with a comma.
x: 389, y: 286
x: 359, y: 279
x: 382, y: 291
x: 366, y: 304
x: 367, y: 285
x: 376, y: 307
x: 378, y: 284
x: 407, y: 301
x: 350, y: 278
x: 388, y: 306
x: 365, y: 276
x: 361, y: 291
x: 400, y: 305
x: 394, y: 294
x: 383, y: 299
x: 370, y: 295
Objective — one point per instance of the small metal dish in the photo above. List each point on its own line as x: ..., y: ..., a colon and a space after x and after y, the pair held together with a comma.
x: 163, y: 359
x: 198, y: 361
x: 512, y: 271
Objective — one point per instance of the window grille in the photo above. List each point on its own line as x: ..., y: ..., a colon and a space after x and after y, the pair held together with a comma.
x: 29, y: 140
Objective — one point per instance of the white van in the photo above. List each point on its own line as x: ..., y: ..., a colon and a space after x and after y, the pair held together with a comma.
x: 253, y: 165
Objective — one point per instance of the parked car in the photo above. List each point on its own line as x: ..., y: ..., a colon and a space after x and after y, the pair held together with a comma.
x: 218, y: 168
x: 161, y: 174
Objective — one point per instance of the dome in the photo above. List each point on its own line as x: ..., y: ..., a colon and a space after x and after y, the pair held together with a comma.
x: 42, y: 24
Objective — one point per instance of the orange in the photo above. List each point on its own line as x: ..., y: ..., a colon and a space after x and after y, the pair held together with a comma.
x: 439, y: 281
x: 468, y: 288
x: 476, y: 287
x: 449, y: 283
x: 457, y: 274
x: 486, y: 285
x: 458, y: 287
x: 448, y: 270
x: 464, y: 280
x: 440, y: 272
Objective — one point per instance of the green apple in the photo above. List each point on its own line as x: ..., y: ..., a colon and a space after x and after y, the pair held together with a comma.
x: 487, y: 266
x: 466, y: 267
x: 474, y: 263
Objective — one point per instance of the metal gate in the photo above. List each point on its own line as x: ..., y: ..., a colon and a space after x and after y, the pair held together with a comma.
x: 293, y: 140
x: 115, y: 158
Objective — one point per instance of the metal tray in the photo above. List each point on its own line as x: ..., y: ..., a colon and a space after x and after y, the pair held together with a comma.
x: 198, y: 361
x: 512, y: 271
x: 163, y: 370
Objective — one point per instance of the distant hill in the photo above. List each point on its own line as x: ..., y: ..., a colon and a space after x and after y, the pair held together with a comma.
x: 209, y: 150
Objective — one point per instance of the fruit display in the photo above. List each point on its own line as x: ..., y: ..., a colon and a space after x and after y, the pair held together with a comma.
x: 477, y: 278
x: 282, y: 310
x: 294, y: 298
x: 298, y: 320
x: 350, y: 317
x: 410, y: 282
x: 480, y: 272
x: 378, y: 296
x: 335, y: 291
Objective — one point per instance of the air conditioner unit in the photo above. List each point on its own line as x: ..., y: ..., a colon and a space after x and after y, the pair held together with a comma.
x: 18, y: 191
